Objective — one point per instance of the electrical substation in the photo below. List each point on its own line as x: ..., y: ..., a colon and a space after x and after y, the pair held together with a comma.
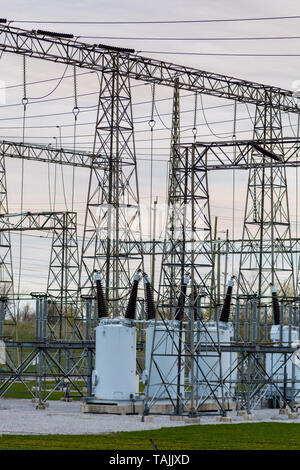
x: 184, y: 322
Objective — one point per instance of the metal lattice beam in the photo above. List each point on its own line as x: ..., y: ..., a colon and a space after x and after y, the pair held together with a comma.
x: 113, y: 213
x: 267, y: 211
x: 93, y: 57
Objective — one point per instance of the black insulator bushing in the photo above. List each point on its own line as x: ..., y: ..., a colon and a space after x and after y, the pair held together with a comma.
x: 131, y: 307
x: 150, y: 307
x: 226, y: 306
x: 276, y: 309
x: 179, y: 314
x: 117, y: 49
x: 53, y: 34
x: 101, y: 303
x: 197, y: 314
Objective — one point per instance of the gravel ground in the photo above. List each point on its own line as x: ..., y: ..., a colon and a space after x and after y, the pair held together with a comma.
x: 19, y: 416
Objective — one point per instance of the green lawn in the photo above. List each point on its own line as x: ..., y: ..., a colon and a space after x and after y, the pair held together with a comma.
x: 18, y: 390
x: 256, y: 436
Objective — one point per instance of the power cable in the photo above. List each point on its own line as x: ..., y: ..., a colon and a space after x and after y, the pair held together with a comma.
x: 54, y: 89
x: 75, y: 111
x: 206, y: 122
x: 220, y: 54
x: 214, y: 20
x: 223, y: 38
x: 151, y: 124
x: 25, y: 103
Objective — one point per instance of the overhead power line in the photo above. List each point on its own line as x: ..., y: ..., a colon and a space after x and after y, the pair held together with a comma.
x: 229, y: 54
x: 142, y: 38
x: 213, y: 20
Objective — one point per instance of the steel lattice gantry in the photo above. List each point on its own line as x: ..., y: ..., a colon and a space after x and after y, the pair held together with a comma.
x: 113, y: 213
x: 52, y: 47
x: 6, y: 271
x: 267, y: 247
x: 267, y: 212
x: 104, y: 207
x: 63, y: 275
x: 187, y: 258
x: 118, y: 67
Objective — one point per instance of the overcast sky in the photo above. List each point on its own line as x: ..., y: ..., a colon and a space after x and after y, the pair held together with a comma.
x: 279, y: 71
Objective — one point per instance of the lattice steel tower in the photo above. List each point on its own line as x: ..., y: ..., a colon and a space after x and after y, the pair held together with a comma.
x: 112, y: 228
x: 267, y: 219
x: 6, y: 269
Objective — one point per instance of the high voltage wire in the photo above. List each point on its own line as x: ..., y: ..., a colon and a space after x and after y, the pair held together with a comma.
x: 141, y: 38
x: 90, y: 123
x: 37, y: 82
x: 214, y: 20
x: 147, y: 130
x: 223, y: 54
x: 97, y: 93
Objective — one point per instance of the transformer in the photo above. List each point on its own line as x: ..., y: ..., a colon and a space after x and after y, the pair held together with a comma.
x: 114, y: 376
x: 280, y: 366
x: 162, y: 378
x: 207, y: 364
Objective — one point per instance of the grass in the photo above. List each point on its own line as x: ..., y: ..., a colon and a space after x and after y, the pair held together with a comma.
x: 18, y: 390
x: 255, y: 436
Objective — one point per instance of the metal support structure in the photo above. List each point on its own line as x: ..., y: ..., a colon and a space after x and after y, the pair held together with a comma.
x: 113, y: 213
x: 267, y: 211
x: 184, y: 258
x: 112, y: 242
x: 6, y: 268
x: 62, y: 284
x: 56, y: 48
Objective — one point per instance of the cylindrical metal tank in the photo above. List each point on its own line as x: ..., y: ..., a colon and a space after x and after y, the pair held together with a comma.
x: 165, y: 346
x: 207, y: 364
x: 279, y: 364
x: 114, y: 377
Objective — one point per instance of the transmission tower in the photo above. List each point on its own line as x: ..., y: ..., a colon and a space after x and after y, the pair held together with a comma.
x: 6, y: 270
x: 186, y: 274
x: 111, y: 242
x: 267, y: 219
x: 62, y: 285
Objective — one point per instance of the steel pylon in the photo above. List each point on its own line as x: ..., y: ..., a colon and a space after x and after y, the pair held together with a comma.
x: 112, y: 229
x: 267, y: 218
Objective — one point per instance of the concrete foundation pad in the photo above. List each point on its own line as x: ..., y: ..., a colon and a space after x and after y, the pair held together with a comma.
x: 138, y: 408
x: 284, y: 411
x: 212, y: 406
x: 293, y: 415
x: 41, y: 406
x: 36, y: 400
x: 177, y: 418
x: 195, y: 420
x: 241, y: 412
x: 66, y: 399
x: 147, y: 419
x: 224, y: 419
x: 110, y: 409
x: 248, y: 417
